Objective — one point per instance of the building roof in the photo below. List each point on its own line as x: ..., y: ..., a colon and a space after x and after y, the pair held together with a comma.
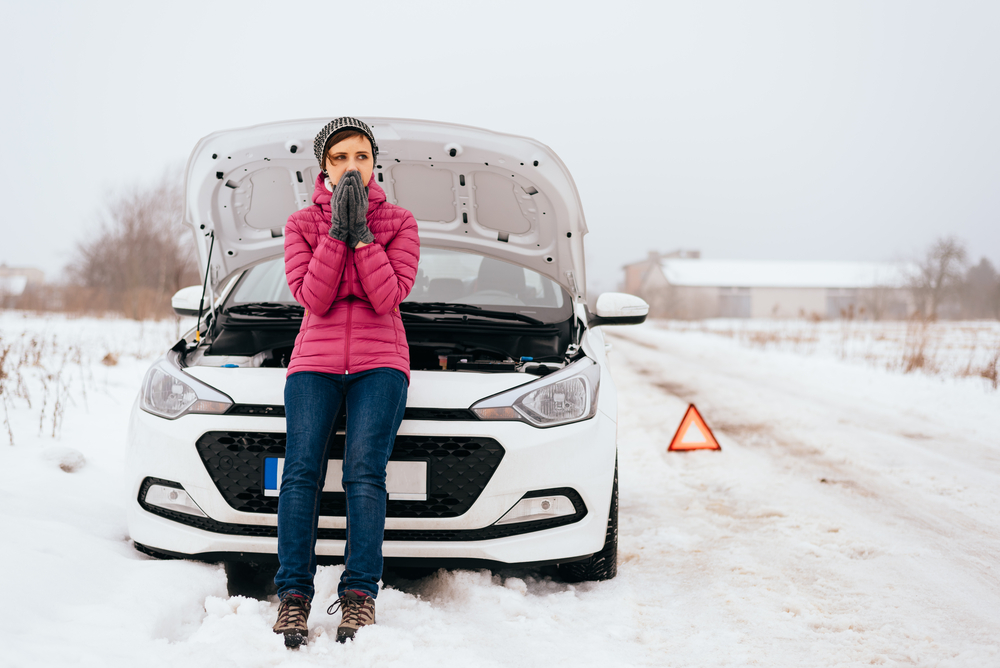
x: 782, y: 274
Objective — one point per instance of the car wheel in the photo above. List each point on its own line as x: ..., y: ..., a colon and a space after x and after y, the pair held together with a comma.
x: 248, y: 579
x: 604, y: 564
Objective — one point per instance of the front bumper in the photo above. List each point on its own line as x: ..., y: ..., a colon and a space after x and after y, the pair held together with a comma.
x: 578, y: 456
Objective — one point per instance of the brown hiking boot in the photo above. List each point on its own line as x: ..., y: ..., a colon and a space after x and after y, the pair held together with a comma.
x: 293, y: 613
x: 357, y: 608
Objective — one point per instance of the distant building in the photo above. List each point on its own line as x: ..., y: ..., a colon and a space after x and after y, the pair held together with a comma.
x: 15, y: 281
x: 684, y: 286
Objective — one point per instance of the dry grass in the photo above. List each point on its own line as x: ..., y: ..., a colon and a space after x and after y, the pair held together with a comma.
x: 989, y: 370
x: 141, y: 304
x: 44, y: 374
x: 50, y: 363
x: 4, y: 376
x: 915, y: 352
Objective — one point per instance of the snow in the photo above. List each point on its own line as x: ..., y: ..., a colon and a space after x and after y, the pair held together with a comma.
x: 783, y: 274
x: 951, y: 348
x: 850, y: 519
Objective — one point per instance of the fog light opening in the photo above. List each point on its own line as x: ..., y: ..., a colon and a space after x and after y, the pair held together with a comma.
x: 538, y: 508
x: 172, y: 498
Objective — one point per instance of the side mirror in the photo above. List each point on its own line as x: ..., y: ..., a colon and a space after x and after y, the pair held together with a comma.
x: 185, y: 301
x: 617, y: 308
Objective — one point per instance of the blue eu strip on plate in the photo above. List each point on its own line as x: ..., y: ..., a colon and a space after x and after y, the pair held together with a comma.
x: 270, y: 476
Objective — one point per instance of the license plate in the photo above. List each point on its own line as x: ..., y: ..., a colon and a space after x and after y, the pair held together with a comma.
x: 406, y: 481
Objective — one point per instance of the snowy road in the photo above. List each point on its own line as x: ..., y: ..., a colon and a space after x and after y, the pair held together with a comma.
x: 850, y: 519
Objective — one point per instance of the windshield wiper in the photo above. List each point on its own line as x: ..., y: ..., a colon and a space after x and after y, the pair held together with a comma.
x: 267, y: 310
x: 465, y: 309
x: 427, y: 307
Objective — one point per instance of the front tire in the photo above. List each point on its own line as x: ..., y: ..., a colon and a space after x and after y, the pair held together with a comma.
x: 249, y: 579
x: 602, y: 565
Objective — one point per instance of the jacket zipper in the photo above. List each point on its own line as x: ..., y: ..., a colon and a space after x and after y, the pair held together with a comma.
x: 350, y: 304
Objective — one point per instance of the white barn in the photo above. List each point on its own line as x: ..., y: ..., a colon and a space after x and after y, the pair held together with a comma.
x: 15, y: 281
x: 687, y: 287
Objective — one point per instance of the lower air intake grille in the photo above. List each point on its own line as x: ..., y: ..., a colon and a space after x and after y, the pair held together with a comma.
x: 436, y: 535
x: 458, y: 470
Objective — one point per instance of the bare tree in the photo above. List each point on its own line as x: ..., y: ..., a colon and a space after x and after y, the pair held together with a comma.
x: 139, y: 255
x: 938, y: 275
x: 981, y: 291
x: 878, y: 301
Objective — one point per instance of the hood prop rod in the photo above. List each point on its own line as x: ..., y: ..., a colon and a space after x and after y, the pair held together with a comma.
x: 204, y: 288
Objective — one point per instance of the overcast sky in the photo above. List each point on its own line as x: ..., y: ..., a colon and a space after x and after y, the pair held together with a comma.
x: 770, y: 130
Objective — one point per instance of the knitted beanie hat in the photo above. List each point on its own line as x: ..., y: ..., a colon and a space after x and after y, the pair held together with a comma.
x: 336, y: 125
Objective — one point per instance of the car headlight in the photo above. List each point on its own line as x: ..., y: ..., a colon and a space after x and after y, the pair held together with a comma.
x: 170, y: 393
x: 568, y: 395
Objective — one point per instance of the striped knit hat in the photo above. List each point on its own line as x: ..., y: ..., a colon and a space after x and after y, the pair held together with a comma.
x: 336, y: 125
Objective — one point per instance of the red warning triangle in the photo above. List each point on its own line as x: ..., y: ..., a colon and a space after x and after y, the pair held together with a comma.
x: 693, y: 434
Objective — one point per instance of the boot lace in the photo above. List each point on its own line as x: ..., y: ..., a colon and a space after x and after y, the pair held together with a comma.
x: 352, y: 610
x: 292, y: 613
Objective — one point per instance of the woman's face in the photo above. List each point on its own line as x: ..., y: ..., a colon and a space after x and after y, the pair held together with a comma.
x: 353, y: 153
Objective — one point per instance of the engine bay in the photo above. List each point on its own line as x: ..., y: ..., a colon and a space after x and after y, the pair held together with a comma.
x: 460, y: 345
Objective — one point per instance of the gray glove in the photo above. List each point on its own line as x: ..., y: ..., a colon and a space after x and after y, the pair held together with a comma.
x: 349, y: 207
x: 340, y: 222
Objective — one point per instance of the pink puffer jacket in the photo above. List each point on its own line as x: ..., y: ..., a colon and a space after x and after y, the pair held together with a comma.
x: 351, y: 297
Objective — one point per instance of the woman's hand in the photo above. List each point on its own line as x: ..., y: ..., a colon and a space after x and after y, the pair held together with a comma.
x: 350, y: 206
x: 340, y: 228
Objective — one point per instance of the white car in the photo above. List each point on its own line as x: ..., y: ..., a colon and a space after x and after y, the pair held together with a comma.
x: 506, y: 454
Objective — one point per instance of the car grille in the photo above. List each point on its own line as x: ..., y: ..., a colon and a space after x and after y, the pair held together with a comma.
x: 459, y: 467
x: 271, y: 531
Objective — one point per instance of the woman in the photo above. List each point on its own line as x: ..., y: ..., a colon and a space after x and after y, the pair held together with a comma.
x: 350, y: 259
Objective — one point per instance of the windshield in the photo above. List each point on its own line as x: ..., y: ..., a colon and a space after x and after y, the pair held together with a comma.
x: 458, y: 277
x: 448, y: 276
x: 263, y: 283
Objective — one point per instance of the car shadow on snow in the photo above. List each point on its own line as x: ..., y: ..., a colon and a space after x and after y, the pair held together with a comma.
x: 257, y: 581
x: 425, y: 582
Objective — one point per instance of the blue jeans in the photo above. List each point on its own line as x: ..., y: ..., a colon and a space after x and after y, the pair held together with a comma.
x: 375, y: 402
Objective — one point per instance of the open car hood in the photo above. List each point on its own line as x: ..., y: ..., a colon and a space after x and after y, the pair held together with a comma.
x: 495, y: 194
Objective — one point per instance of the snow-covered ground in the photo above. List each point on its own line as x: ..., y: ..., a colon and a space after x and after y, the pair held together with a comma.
x: 850, y: 519
x: 949, y: 348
